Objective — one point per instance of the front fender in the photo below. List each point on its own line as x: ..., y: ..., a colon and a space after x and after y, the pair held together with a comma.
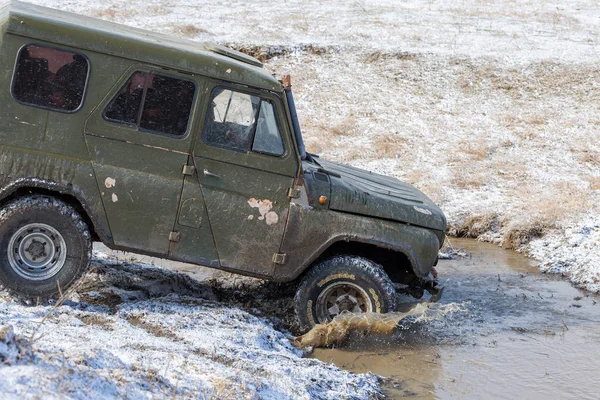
x: 310, y: 232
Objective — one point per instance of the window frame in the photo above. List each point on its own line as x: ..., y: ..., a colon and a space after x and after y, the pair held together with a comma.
x: 85, y: 87
x: 136, y: 125
x: 255, y: 125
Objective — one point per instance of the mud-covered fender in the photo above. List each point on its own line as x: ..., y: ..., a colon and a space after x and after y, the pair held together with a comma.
x: 309, y: 233
x: 95, y: 213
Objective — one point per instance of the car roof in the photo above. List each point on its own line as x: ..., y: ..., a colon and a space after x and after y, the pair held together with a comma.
x: 86, y: 33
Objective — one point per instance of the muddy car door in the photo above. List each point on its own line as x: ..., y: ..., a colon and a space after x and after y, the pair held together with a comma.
x: 246, y: 164
x: 139, y: 142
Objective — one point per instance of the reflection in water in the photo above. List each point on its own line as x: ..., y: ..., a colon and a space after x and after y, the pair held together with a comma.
x: 524, y: 335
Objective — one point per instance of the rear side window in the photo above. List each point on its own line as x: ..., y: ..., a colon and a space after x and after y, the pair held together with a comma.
x: 242, y: 122
x: 50, y: 78
x: 155, y: 103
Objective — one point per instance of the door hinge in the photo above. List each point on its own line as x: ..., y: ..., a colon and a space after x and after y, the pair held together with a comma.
x: 293, y: 193
x: 279, y: 258
x: 189, y: 170
x: 174, y: 236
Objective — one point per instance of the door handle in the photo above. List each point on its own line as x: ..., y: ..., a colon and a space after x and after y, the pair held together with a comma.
x: 208, y: 173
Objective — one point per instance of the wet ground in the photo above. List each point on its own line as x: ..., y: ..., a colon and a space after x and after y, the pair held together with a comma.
x: 522, y: 334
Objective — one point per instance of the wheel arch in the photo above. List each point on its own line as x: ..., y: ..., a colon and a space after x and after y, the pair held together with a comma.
x: 68, y: 193
x: 397, y: 261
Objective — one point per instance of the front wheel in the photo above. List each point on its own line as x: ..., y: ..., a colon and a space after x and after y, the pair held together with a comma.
x: 342, y: 284
x: 45, y: 246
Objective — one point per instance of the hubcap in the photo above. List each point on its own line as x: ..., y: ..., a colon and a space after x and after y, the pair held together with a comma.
x: 37, y: 252
x: 342, y: 297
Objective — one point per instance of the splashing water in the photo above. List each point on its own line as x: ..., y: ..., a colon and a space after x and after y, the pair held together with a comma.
x: 336, y: 331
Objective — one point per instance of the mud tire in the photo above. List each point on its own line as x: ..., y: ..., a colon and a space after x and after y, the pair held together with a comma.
x: 61, y: 217
x: 359, y: 271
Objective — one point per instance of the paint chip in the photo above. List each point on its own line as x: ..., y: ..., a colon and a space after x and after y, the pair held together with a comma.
x: 114, y: 198
x: 264, y: 208
x: 271, y: 218
x: 228, y: 70
x: 110, y: 182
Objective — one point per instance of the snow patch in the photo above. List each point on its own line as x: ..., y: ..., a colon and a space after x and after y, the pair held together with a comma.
x: 135, y: 331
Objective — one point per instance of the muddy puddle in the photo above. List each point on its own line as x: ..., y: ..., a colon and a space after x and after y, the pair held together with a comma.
x: 518, y: 334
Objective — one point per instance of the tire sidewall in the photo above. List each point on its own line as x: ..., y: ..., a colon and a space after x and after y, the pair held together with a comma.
x: 339, y: 270
x: 57, y: 215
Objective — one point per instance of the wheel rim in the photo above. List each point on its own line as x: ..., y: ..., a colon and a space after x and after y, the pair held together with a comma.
x: 342, y: 297
x: 37, y: 251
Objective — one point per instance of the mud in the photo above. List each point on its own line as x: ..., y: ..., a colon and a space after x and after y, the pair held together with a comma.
x: 518, y: 334
x: 338, y: 330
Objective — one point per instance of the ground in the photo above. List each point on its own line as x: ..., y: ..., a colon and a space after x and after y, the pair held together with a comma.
x: 489, y: 107
x: 132, y: 330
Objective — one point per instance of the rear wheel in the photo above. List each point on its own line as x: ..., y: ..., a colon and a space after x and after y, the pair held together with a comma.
x: 342, y: 284
x: 44, y: 245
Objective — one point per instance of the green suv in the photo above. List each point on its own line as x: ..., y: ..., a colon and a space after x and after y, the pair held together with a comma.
x: 190, y: 152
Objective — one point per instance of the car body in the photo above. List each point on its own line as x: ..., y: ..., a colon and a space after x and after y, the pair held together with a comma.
x: 136, y: 131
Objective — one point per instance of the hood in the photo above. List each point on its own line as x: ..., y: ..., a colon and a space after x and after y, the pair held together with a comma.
x: 357, y: 191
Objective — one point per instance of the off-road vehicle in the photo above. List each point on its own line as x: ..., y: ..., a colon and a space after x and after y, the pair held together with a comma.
x: 191, y: 152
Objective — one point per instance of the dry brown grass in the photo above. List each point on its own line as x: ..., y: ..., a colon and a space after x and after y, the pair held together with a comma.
x: 353, y: 154
x: 111, y: 13
x: 518, y: 235
x: 318, y: 145
x: 509, y: 170
x: 159, y: 10
x: 187, y: 30
x: 476, y: 225
x: 566, y: 200
x: 155, y: 330
x: 590, y: 157
x: 413, y: 176
x: 97, y: 320
x: 388, y: 145
x: 478, y: 150
x: 594, y: 182
x: 380, y: 56
x: 468, y: 178
x: 345, y: 128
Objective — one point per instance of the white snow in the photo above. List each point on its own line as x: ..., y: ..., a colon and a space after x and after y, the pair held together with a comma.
x: 573, y: 252
x: 138, y: 331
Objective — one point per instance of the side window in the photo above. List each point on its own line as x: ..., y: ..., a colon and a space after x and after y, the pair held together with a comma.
x: 242, y: 122
x: 230, y: 120
x: 50, y: 78
x: 166, y: 108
